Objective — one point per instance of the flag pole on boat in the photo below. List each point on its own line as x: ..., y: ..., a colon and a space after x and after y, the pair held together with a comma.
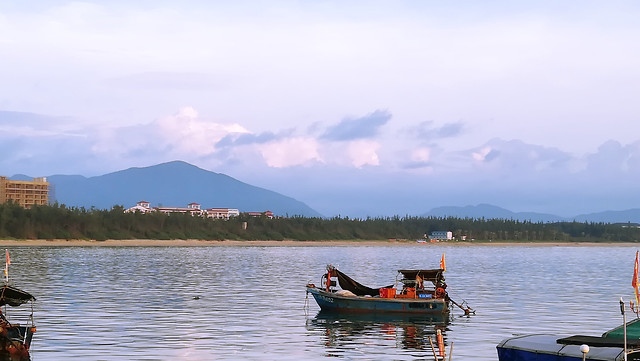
x: 6, y: 268
x: 636, y: 287
x: 624, y: 327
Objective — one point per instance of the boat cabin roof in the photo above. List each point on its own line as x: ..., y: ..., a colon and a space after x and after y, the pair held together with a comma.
x: 13, y: 296
x: 427, y: 274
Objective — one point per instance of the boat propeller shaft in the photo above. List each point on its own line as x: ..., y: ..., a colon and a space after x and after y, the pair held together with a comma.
x: 464, y: 306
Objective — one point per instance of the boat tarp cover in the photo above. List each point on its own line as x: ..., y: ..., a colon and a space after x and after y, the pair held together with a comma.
x: 14, y: 296
x: 633, y: 331
x: 347, y: 283
x: 598, y: 341
x: 545, y: 348
x: 426, y: 274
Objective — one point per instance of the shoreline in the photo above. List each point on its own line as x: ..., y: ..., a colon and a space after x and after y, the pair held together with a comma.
x: 286, y: 243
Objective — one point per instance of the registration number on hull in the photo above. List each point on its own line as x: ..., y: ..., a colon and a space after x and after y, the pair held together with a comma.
x: 325, y: 298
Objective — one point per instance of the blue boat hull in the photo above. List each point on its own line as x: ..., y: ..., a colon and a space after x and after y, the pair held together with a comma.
x: 332, y: 302
x: 547, y: 348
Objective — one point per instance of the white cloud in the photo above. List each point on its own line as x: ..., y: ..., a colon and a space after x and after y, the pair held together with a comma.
x: 190, y: 134
x: 363, y: 152
x: 613, y: 159
x: 185, y: 135
x: 421, y: 155
x: 290, y: 152
x: 481, y: 154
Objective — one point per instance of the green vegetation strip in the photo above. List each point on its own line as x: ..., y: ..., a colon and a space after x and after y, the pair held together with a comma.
x: 61, y: 222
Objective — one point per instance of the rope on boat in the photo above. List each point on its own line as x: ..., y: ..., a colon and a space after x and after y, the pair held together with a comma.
x: 306, y: 303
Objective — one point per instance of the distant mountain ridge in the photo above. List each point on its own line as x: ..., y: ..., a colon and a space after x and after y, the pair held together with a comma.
x: 172, y: 184
x: 489, y: 211
x: 177, y: 183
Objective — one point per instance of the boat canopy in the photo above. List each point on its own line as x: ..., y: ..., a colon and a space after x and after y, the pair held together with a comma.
x: 348, y: 283
x: 433, y: 275
x: 545, y: 348
x: 13, y: 296
x: 597, y: 341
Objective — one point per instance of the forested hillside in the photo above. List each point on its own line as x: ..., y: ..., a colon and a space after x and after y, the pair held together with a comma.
x: 61, y: 222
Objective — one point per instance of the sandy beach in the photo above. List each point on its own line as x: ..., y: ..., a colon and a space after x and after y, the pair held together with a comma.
x: 285, y: 243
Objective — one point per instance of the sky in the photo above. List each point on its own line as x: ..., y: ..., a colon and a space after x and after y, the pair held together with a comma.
x: 357, y: 108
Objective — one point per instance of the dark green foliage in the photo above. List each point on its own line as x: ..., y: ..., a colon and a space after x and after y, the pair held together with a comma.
x: 61, y: 222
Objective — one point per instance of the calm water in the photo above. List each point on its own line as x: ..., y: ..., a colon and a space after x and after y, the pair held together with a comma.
x: 130, y: 303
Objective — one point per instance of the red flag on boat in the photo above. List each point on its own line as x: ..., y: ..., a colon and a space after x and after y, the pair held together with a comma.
x: 634, y: 282
x: 443, y: 265
x: 6, y: 266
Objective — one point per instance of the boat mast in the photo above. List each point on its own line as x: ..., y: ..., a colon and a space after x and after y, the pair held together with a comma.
x: 624, y: 328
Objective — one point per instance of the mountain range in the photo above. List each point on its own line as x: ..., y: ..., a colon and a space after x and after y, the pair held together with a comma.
x: 177, y: 183
x: 172, y: 184
x: 488, y: 211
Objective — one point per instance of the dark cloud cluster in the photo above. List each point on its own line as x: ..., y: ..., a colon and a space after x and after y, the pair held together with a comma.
x: 515, y: 155
x: 357, y: 128
x: 232, y: 140
x: 426, y: 130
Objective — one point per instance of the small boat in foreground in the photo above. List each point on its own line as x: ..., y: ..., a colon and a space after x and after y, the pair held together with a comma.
x: 619, y: 344
x: 422, y: 292
x: 15, y: 339
x: 543, y: 347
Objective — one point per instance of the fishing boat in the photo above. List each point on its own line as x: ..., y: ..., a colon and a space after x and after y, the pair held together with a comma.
x: 422, y: 291
x: 15, y: 338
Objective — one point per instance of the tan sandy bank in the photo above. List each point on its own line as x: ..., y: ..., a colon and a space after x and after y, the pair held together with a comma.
x: 288, y: 243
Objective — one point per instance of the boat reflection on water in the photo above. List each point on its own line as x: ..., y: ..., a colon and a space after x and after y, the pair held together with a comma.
x: 410, y: 332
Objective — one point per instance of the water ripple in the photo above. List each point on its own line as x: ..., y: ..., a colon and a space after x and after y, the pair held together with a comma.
x: 230, y: 303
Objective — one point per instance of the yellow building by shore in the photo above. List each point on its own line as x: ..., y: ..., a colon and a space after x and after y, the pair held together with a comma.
x: 25, y: 193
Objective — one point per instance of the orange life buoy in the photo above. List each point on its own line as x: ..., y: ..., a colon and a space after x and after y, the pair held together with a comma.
x: 440, y: 292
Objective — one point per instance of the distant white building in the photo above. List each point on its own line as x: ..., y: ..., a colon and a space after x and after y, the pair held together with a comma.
x: 222, y: 213
x: 441, y: 235
x: 267, y: 214
x: 193, y: 205
x: 141, y: 207
x: 192, y: 208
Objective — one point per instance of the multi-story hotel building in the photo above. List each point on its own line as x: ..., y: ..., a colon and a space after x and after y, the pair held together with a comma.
x: 25, y: 193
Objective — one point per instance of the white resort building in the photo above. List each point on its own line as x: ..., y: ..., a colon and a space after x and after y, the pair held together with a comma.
x: 225, y: 213
x: 192, y: 208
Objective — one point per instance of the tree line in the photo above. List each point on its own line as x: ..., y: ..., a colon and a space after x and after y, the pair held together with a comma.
x: 61, y: 222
